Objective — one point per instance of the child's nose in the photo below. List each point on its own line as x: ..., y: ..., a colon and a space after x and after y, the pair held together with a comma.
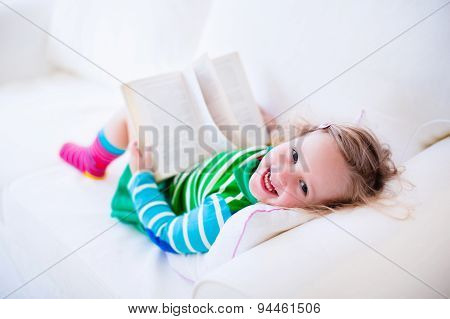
x: 284, y: 175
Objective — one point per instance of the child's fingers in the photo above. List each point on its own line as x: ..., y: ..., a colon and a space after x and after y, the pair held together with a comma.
x: 148, y: 157
x: 135, y: 150
x: 133, y: 146
x: 136, y: 145
x: 141, y: 160
x: 134, y: 157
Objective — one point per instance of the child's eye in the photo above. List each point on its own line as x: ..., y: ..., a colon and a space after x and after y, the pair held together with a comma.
x: 304, y: 187
x: 294, y: 156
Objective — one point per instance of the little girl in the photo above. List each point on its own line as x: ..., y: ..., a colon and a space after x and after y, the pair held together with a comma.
x: 325, y: 166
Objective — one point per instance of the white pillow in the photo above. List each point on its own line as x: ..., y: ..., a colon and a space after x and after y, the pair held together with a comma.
x: 246, y: 229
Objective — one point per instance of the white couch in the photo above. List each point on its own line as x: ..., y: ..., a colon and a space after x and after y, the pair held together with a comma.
x: 49, y: 94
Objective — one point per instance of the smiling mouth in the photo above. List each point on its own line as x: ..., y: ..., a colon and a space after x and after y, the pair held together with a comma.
x: 267, y: 184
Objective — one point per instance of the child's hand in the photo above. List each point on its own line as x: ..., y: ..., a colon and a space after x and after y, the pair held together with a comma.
x: 139, y: 161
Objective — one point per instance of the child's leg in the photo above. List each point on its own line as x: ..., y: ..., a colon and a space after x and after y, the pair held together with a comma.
x: 117, y: 130
x: 110, y: 143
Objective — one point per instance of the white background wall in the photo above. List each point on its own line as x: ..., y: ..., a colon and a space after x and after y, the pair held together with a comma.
x: 292, y: 48
x: 23, y: 47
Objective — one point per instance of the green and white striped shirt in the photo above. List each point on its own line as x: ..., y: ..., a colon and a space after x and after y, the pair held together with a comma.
x: 198, y: 202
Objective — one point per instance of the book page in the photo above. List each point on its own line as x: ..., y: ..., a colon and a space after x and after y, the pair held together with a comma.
x: 166, y: 117
x: 216, y: 99
x: 211, y: 139
x: 233, y: 79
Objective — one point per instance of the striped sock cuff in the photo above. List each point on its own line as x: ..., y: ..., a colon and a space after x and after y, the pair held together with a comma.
x: 107, y: 145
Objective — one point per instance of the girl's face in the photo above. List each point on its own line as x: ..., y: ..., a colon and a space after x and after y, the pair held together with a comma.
x: 308, y: 170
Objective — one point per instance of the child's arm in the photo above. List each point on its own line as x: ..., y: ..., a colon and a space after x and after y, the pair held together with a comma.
x: 192, y: 232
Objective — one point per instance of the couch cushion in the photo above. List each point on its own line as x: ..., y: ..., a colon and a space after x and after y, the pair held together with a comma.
x: 356, y: 253
x: 53, y: 209
x: 246, y: 229
x: 38, y: 115
x: 130, y: 40
x: 56, y: 212
x: 292, y: 48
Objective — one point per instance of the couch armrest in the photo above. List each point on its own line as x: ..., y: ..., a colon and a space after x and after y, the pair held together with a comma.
x: 23, y: 45
x: 321, y: 260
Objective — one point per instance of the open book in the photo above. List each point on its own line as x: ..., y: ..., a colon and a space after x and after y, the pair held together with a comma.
x: 186, y: 117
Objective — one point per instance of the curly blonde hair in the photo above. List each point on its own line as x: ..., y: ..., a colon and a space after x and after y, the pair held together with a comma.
x: 369, y: 162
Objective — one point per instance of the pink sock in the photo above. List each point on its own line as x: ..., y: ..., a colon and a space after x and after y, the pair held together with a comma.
x: 92, y: 160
